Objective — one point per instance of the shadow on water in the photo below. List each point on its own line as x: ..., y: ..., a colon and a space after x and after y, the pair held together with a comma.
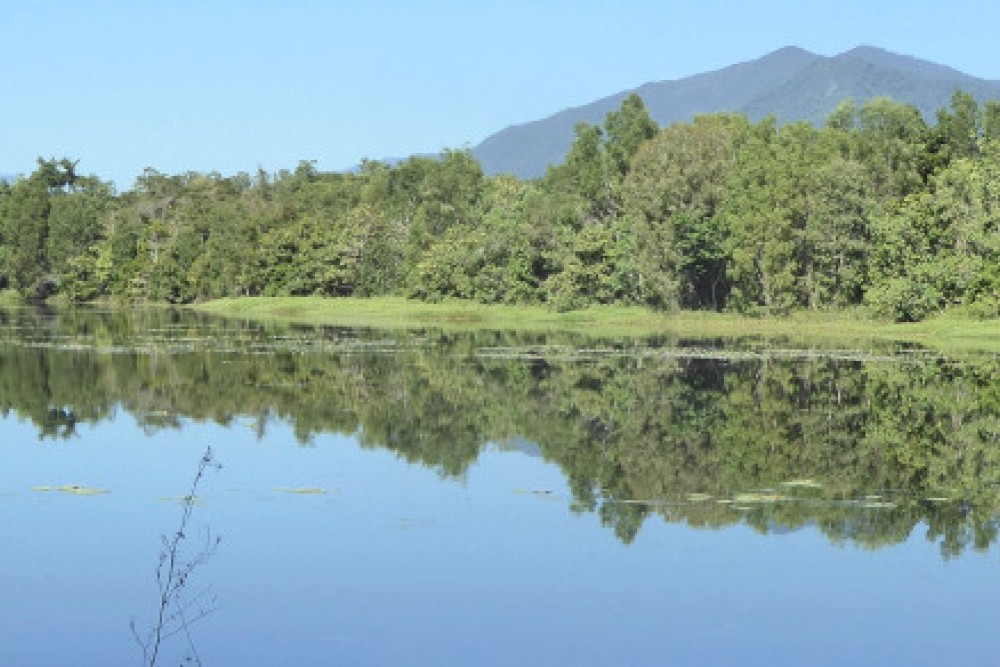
x: 862, y: 445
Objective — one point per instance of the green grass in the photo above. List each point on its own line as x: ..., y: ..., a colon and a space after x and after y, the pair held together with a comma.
x: 841, y: 327
x: 953, y: 332
x: 10, y: 297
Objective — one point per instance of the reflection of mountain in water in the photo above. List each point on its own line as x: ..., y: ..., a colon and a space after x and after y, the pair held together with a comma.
x: 774, y: 528
x: 521, y: 446
x: 863, y: 447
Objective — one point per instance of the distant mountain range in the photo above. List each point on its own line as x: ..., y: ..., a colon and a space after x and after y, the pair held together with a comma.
x: 791, y: 84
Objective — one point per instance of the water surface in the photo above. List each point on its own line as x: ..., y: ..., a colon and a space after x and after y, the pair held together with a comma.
x: 492, y: 498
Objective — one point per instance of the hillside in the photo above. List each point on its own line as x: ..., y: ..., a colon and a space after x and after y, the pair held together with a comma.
x: 791, y: 84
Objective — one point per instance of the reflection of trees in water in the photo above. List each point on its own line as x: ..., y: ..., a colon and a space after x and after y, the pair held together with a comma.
x: 688, y: 439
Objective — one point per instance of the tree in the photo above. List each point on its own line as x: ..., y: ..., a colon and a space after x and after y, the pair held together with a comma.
x: 961, y: 127
x: 672, y: 199
x: 761, y: 221
x: 24, y: 226
x: 626, y: 130
x: 941, y: 248
x: 836, y: 237
x: 892, y: 144
x: 74, y: 222
x: 24, y: 230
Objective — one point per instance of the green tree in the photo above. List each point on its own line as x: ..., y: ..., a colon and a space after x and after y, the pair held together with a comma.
x: 673, y: 196
x: 626, y: 130
x: 761, y: 221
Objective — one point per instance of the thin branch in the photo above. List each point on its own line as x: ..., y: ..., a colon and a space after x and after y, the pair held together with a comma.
x: 172, y: 575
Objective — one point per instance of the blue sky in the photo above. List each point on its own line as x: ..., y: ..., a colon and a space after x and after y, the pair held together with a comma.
x: 230, y: 85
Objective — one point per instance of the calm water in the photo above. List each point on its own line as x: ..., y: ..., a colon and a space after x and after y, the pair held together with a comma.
x: 492, y: 499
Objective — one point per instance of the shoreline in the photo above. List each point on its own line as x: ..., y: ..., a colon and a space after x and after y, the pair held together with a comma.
x: 946, y: 331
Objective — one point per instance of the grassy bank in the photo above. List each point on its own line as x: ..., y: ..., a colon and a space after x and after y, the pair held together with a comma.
x: 615, y: 321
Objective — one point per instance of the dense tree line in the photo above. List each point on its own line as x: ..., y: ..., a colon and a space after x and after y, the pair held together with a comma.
x: 876, y: 208
x: 775, y: 443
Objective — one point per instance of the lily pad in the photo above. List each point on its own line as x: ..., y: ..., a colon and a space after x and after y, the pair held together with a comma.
x: 306, y: 491
x: 802, y: 484
x: 758, y: 497
x: 194, y: 500
x: 73, y: 489
x: 878, y: 505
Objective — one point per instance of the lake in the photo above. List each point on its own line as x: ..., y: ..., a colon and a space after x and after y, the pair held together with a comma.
x: 430, y: 498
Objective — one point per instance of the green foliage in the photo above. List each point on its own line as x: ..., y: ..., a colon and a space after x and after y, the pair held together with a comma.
x: 627, y: 130
x: 493, y: 263
x: 875, y: 208
x: 941, y: 248
x: 591, y: 271
x: 672, y: 198
x: 892, y: 142
x: 24, y: 230
x: 761, y: 213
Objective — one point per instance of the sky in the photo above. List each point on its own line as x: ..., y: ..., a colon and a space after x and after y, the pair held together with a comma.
x: 237, y: 85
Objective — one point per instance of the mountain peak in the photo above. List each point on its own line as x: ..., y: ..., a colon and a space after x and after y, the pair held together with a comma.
x: 786, y: 56
x: 907, y: 64
x: 790, y: 83
x: 791, y: 50
x: 868, y: 51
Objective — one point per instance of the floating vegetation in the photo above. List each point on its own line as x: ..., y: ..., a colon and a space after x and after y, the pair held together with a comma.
x: 878, y: 505
x: 802, y: 484
x: 306, y: 491
x: 573, y: 353
x: 72, y: 489
x: 635, y: 501
x: 758, y: 497
x: 193, y: 500
x: 159, y: 341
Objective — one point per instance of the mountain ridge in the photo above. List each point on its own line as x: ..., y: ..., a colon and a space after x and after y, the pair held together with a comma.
x: 789, y: 83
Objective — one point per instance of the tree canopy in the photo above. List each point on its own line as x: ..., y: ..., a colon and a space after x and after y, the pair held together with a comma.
x: 875, y: 209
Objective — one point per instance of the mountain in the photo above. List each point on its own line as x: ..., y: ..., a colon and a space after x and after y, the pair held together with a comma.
x: 9, y: 178
x: 864, y: 73
x: 790, y: 83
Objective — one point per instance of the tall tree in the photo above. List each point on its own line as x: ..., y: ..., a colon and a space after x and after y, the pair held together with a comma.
x: 672, y: 198
x: 761, y: 221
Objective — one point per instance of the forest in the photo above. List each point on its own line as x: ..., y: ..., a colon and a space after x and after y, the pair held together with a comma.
x: 878, y: 209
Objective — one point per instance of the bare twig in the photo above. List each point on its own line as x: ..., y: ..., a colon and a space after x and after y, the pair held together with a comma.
x: 173, y: 572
